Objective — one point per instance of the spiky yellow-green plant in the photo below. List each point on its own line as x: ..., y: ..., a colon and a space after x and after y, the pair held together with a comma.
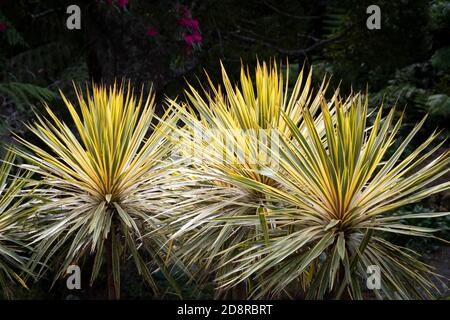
x: 232, y: 130
x: 103, y: 179
x: 309, y: 206
x: 14, y: 211
x: 334, y: 197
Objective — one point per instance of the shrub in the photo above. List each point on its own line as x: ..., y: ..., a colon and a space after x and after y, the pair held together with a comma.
x: 103, y: 183
x: 313, y: 220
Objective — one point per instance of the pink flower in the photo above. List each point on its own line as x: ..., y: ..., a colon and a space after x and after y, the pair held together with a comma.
x: 190, y: 23
x: 122, y: 3
x: 3, y: 27
x: 189, y: 39
x: 152, y: 32
x: 197, y: 37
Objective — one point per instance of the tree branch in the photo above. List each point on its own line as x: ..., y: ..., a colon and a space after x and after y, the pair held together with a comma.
x: 271, y: 6
x: 290, y: 52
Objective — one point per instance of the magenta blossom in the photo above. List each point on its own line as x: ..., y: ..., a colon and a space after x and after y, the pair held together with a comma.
x: 122, y: 3
x: 197, y: 37
x: 151, y: 32
x: 190, y: 23
x: 3, y: 27
x: 190, y: 39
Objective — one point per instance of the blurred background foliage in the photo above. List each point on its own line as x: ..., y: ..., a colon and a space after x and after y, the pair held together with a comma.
x: 164, y: 43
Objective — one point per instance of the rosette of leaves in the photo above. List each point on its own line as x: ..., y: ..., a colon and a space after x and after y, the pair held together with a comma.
x: 334, y: 199
x: 104, y: 176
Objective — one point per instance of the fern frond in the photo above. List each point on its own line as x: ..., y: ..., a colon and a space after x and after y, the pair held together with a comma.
x: 22, y: 94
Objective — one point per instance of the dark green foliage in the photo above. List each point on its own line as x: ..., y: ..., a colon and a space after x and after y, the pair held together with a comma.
x: 421, y: 89
x: 439, y: 105
x: 420, y: 244
x: 441, y: 59
x: 370, y: 56
x: 22, y: 94
x: 38, y: 57
x: 13, y: 37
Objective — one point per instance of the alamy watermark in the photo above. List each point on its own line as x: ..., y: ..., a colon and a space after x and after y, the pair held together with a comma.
x: 258, y: 147
x: 373, y: 22
x: 73, y: 22
x: 74, y: 280
x: 373, y: 281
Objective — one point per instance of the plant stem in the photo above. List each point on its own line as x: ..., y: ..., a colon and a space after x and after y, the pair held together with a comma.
x: 354, y: 261
x: 112, y: 291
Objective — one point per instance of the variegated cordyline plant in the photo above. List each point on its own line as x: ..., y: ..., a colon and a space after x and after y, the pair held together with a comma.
x: 15, y: 209
x: 104, y: 176
x: 337, y: 195
x: 313, y: 222
x: 233, y: 131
